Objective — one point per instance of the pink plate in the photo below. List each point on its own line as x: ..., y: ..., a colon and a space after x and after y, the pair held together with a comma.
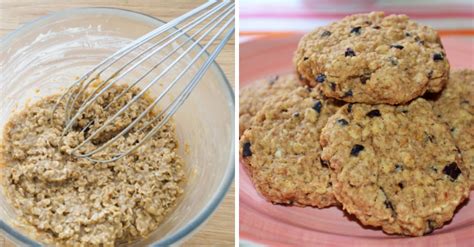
x: 264, y: 223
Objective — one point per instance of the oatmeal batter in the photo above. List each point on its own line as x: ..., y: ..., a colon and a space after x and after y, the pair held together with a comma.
x: 71, y: 201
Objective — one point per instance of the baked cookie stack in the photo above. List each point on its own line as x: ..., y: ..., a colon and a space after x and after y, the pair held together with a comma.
x: 352, y: 128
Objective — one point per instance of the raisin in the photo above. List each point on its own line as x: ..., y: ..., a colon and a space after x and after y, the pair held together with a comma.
x: 321, y: 78
x: 324, y: 163
x: 364, y: 79
x: 438, y: 57
x: 400, y: 185
x: 326, y: 34
x: 349, y: 108
x: 356, y: 30
x: 317, y: 106
x: 397, y: 46
x: 376, y: 27
x: 305, y: 58
x: 348, y: 93
x: 368, y: 23
x: 452, y: 170
x: 407, y: 34
x: 246, y: 152
x: 342, y: 122
x: 452, y: 129
x: 398, y: 167
x: 431, y: 227
x: 373, y: 113
x: 356, y: 149
x: 349, y: 53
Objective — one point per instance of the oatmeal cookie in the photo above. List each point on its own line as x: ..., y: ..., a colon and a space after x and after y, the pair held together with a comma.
x: 253, y: 96
x: 282, y: 153
x: 373, y: 58
x: 395, y: 167
x: 455, y: 106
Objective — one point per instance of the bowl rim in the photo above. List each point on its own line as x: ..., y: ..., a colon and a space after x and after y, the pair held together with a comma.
x: 229, y: 175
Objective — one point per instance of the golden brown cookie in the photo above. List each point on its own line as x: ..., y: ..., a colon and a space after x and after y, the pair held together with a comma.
x: 373, y: 58
x: 282, y: 152
x: 253, y: 96
x: 455, y: 106
x: 395, y: 167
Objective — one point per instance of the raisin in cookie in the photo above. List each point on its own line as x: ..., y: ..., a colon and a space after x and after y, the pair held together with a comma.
x: 282, y: 153
x: 373, y: 58
x: 253, y: 96
x: 455, y: 106
x: 395, y: 167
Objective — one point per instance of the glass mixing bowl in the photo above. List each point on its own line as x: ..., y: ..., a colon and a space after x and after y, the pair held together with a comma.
x: 47, y: 55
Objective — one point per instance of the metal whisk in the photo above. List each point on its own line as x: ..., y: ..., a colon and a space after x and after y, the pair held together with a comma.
x: 214, y: 20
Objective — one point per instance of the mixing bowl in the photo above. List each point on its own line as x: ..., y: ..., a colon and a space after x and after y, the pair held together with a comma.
x: 45, y: 56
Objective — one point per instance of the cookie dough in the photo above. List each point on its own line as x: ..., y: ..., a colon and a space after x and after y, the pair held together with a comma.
x: 373, y: 58
x: 282, y: 153
x: 253, y: 96
x: 455, y: 106
x: 68, y: 201
x: 395, y: 167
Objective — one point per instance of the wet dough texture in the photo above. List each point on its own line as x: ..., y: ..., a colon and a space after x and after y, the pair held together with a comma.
x: 76, y: 202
